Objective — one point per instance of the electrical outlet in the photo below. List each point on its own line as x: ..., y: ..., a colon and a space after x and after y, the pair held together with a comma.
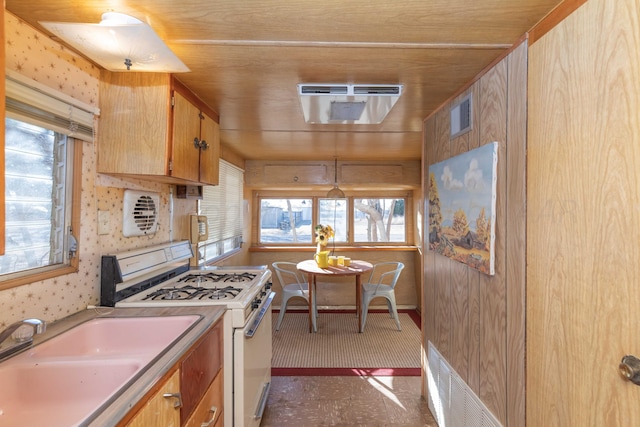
x: 103, y: 222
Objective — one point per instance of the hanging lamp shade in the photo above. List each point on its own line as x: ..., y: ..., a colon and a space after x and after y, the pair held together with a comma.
x: 119, y: 43
x: 335, y: 192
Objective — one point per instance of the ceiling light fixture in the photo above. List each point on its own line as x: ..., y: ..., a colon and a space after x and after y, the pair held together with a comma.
x: 335, y: 192
x: 347, y: 103
x: 119, y: 43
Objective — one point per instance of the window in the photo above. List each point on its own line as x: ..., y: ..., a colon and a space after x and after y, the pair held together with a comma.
x: 37, y: 197
x: 379, y: 220
x: 41, y: 150
x: 334, y: 212
x: 222, y: 204
x: 286, y: 221
x: 290, y: 221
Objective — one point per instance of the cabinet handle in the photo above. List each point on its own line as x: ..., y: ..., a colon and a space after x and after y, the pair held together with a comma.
x: 204, y: 144
x: 196, y: 142
x: 212, y: 411
x: 177, y: 396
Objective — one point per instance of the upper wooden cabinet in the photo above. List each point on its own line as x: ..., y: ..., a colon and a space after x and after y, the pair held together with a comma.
x: 151, y: 125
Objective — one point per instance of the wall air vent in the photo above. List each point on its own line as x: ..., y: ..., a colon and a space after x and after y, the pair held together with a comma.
x: 347, y: 103
x: 451, y: 401
x: 461, y: 117
x: 140, y: 213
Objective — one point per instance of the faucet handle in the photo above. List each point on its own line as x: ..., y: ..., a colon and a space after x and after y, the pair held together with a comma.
x: 28, y: 329
x: 23, y: 333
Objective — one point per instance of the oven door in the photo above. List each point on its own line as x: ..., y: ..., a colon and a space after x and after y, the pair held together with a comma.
x: 252, y: 367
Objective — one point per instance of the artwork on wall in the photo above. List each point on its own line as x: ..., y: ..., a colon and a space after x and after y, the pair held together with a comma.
x: 462, y: 207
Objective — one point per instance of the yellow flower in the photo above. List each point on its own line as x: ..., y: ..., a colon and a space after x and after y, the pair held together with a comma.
x: 323, y: 233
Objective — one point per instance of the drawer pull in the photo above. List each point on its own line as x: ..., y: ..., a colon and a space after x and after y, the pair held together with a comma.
x: 177, y: 396
x: 212, y: 411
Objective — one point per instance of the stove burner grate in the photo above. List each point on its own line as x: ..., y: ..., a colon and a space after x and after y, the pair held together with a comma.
x: 194, y: 293
x: 218, y: 277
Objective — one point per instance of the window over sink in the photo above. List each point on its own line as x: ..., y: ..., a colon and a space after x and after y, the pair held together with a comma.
x: 44, y: 131
x: 38, y: 200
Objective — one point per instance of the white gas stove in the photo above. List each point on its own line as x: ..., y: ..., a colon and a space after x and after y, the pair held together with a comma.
x: 160, y: 276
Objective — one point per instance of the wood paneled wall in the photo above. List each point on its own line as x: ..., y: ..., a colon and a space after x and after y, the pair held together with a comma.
x: 583, y: 274
x: 476, y: 321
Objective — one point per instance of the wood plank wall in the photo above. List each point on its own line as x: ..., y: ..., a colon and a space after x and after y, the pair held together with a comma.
x: 583, y: 275
x: 476, y: 321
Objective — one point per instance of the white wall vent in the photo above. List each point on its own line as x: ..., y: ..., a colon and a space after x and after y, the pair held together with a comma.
x: 140, y: 213
x: 450, y: 399
x: 461, y: 117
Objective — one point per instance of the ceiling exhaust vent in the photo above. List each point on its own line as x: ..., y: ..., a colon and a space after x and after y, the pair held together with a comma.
x: 140, y: 213
x: 461, y: 117
x: 347, y: 103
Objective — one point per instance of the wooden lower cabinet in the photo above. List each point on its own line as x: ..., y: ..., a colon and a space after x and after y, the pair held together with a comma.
x: 160, y: 410
x: 209, y: 411
x: 196, y: 383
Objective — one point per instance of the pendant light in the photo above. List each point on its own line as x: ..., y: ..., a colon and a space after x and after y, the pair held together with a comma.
x: 335, y: 192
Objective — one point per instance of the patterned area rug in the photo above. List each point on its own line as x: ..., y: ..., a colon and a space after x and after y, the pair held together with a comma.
x: 338, y: 345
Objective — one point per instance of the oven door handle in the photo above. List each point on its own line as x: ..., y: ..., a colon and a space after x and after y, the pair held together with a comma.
x: 258, y: 319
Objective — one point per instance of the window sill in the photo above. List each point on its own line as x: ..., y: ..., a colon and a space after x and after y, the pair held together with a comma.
x: 337, y: 247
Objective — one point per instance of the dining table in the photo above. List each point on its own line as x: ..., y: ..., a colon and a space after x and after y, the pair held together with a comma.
x: 355, y: 268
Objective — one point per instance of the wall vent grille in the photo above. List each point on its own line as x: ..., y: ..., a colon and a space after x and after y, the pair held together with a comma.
x: 140, y: 213
x: 461, y: 117
x: 450, y: 399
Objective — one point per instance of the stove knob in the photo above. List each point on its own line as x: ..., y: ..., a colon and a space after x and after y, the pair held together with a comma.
x: 268, y: 285
x: 263, y: 293
x: 256, y: 303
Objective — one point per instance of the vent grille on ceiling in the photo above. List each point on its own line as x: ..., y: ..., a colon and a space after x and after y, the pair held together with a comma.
x: 140, y: 213
x: 329, y: 89
x: 338, y: 103
x: 461, y: 117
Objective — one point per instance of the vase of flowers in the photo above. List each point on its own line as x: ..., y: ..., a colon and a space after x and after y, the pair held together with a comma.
x: 323, y: 234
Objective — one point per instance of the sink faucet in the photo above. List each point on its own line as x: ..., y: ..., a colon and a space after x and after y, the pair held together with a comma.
x: 39, y: 326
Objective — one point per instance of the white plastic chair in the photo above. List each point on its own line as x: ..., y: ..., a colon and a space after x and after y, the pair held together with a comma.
x: 294, y: 284
x: 381, y: 283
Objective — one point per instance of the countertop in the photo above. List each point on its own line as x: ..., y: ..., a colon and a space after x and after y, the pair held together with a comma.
x: 113, y: 412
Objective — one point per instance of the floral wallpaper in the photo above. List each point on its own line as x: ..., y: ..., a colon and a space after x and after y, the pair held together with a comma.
x: 34, y: 55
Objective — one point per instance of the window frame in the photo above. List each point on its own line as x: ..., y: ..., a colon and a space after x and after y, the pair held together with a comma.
x: 50, y: 272
x: 258, y: 196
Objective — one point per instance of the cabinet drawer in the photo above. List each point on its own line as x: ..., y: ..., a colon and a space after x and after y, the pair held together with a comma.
x: 210, y: 408
x: 199, y: 369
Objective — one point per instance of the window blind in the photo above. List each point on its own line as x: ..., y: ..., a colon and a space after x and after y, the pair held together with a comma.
x: 222, y: 204
x: 35, y: 103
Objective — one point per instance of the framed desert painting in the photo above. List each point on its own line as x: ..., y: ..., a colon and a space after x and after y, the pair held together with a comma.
x: 462, y: 206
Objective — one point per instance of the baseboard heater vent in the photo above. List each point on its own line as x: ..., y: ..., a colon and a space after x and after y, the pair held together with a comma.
x: 451, y: 400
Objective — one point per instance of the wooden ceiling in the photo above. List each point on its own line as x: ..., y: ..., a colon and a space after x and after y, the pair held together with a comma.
x: 246, y: 58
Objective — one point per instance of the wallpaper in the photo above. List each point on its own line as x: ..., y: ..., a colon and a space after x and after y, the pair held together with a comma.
x: 34, y: 55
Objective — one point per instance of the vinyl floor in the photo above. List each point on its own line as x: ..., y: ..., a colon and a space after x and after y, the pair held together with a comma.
x: 309, y: 401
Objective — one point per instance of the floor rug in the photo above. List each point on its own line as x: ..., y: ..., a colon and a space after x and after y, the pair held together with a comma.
x: 339, y: 349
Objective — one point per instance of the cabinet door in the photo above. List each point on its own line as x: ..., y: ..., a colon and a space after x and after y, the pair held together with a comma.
x: 160, y: 410
x: 209, y: 156
x: 186, y: 128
